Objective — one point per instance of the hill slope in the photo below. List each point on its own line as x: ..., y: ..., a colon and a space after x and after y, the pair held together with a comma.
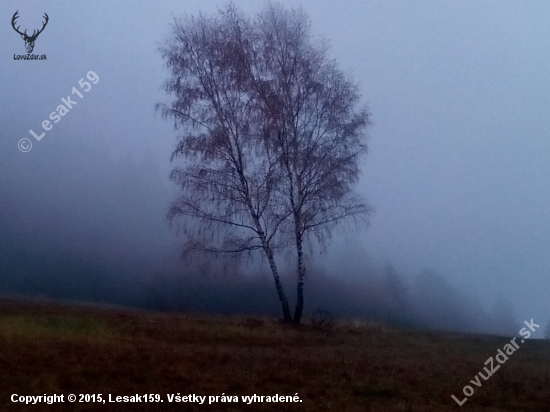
x: 48, y: 349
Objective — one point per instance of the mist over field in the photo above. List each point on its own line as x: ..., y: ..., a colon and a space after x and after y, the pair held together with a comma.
x: 456, y: 171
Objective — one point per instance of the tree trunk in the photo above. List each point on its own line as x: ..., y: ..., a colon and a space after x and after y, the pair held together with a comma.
x: 278, y: 286
x: 269, y: 254
x: 267, y: 250
x: 301, y: 274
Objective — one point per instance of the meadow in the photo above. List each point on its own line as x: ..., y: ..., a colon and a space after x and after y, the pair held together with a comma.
x: 349, y: 365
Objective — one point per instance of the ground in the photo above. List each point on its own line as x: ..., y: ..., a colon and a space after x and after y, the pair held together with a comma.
x: 49, y: 348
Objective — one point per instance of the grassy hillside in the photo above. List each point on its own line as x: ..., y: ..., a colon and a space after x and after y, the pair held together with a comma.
x: 57, y: 349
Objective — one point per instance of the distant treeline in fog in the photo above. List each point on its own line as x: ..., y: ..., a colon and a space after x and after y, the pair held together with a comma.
x: 104, y: 239
x: 381, y: 295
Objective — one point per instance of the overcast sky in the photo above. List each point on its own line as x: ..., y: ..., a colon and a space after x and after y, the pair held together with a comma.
x: 458, y: 165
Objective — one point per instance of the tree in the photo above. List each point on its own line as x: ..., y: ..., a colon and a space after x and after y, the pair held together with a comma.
x: 229, y: 177
x: 316, y: 129
x: 270, y: 135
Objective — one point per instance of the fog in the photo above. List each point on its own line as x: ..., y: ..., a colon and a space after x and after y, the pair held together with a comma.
x: 456, y: 171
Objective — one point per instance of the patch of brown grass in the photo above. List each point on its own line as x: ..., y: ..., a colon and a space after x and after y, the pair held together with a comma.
x: 333, y: 366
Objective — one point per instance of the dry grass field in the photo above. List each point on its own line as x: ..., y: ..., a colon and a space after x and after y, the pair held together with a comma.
x: 48, y: 348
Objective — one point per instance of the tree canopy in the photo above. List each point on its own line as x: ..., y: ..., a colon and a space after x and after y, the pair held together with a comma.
x: 271, y: 136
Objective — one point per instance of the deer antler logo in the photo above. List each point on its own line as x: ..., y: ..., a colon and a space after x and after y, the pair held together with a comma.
x: 29, y: 40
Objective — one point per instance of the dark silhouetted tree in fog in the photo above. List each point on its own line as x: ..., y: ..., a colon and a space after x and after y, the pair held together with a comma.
x: 270, y: 137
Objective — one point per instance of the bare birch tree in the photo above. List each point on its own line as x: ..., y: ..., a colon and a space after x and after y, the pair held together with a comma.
x: 317, y: 130
x: 229, y: 171
x: 270, y: 136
